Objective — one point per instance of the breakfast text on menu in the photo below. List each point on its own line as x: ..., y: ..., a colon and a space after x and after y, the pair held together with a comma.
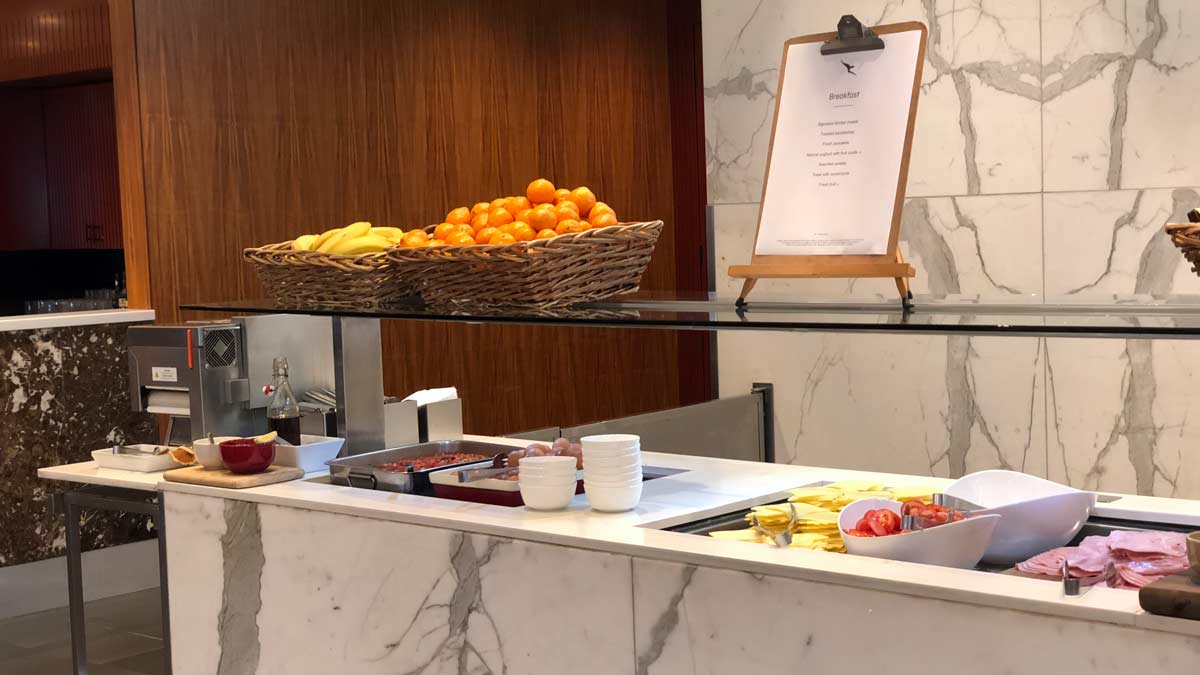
x: 837, y: 148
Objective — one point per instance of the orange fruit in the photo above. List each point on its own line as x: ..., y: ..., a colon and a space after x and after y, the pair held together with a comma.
x: 604, y: 220
x: 499, y: 216
x: 540, y: 191
x: 523, y: 232
x: 503, y: 239
x: 598, y: 208
x: 566, y: 226
x: 461, y: 239
x: 414, y: 239
x: 561, y: 194
x: 445, y: 230
x: 481, y: 207
x: 465, y: 229
x: 479, y: 222
x: 523, y: 216
x: 497, y: 203
x: 485, y: 235
x: 516, y: 205
x: 433, y: 243
x: 507, y: 229
x: 583, y: 198
x: 566, y: 211
x: 459, y: 216
x: 546, y: 234
x: 543, y: 217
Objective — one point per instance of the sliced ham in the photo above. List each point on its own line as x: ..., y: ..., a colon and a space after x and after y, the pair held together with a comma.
x: 1140, y: 558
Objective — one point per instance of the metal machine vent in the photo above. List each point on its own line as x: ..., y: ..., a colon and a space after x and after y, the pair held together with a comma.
x: 220, y: 348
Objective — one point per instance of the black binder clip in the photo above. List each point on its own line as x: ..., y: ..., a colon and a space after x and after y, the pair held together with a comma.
x: 852, y: 36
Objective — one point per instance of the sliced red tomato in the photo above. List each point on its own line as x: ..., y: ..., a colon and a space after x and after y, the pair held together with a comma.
x: 911, y: 507
x: 858, y: 533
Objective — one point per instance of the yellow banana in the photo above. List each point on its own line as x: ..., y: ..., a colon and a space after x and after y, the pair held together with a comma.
x: 304, y: 242
x: 333, y: 240
x: 356, y: 230
x: 366, y: 244
x: 393, y: 234
x: 324, y: 237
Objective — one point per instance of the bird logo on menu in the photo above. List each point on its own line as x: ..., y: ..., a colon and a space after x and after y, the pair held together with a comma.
x: 850, y: 68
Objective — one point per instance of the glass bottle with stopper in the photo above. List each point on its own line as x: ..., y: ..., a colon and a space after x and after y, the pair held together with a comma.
x: 283, y: 411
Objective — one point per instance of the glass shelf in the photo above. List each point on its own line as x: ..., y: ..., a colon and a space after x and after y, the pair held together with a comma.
x: 1134, y: 317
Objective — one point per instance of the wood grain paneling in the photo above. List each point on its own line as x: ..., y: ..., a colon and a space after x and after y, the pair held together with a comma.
x: 262, y: 119
x: 24, y: 215
x: 40, y: 38
x: 81, y: 167
x: 127, y: 106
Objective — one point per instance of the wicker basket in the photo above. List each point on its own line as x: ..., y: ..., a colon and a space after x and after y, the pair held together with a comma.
x: 308, y: 278
x: 547, y: 273
x: 1186, y: 236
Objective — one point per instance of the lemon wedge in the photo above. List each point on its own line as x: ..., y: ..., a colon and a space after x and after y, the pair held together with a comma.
x: 265, y: 438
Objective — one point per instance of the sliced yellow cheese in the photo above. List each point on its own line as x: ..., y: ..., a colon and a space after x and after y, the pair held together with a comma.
x: 750, y: 535
x: 856, y: 486
x: 922, y: 492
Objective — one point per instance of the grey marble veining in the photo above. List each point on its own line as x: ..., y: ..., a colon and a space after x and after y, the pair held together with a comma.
x: 242, y: 551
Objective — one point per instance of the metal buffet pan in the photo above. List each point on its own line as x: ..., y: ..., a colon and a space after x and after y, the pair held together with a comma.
x: 362, y: 471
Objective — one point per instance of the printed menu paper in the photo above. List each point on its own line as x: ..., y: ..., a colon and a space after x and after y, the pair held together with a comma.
x: 835, y: 158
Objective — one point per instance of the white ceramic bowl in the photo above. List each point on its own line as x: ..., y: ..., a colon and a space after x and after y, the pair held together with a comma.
x: 613, y: 499
x: 1037, y: 514
x: 564, y: 469
x: 612, y: 476
x: 612, y: 462
x: 541, y: 497
x: 604, y: 443
x: 209, y: 454
x: 622, y: 484
x: 311, y: 454
x: 960, y: 544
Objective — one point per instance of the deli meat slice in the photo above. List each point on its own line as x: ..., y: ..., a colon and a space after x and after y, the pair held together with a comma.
x: 1140, y: 558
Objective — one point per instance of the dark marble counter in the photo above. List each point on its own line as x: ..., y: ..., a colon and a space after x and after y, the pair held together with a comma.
x: 63, y: 393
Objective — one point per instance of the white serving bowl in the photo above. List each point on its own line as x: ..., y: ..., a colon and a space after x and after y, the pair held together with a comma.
x: 612, y: 462
x: 613, y: 499
x: 960, y: 544
x: 1037, y: 514
x: 613, y: 476
x: 311, y: 454
x: 541, y: 497
x: 604, y: 443
x: 613, y: 484
x: 209, y: 454
x: 562, y: 467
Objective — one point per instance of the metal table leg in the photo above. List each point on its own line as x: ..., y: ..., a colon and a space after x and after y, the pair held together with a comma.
x: 72, y: 504
x: 75, y: 587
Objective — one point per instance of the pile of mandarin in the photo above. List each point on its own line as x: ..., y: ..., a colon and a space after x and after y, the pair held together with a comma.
x: 542, y: 213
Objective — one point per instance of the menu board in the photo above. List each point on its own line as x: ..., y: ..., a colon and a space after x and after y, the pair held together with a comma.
x: 837, y: 147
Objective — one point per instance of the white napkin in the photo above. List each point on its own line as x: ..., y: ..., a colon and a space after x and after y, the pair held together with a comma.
x: 427, y: 396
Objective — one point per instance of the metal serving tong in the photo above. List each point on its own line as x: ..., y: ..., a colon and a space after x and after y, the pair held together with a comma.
x: 955, y: 503
x: 119, y: 449
x: 1075, y: 587
x: 499, y: 466
x: 782, y: 539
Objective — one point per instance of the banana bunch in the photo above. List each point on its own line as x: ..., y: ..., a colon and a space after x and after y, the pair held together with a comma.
x: 353, y: 239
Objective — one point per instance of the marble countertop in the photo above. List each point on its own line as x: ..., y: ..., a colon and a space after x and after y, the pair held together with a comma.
x: 65, y: 319
x: 707, y: 487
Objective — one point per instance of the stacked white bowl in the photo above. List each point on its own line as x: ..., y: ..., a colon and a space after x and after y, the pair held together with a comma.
x: 547, y: 483
x: 612, y: 471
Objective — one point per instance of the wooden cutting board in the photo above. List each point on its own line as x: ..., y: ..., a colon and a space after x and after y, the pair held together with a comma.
x: 1177, y: 595
x: 224, y: 478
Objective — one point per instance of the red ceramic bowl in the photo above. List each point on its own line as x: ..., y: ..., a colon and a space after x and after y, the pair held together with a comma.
x: 245, y: 456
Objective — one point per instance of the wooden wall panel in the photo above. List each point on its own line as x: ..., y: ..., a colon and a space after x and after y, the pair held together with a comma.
x: 81, y: 167
x: 41, y: 38
x: 263, y: 119
x: 127, y: 107
x: 24, y: 216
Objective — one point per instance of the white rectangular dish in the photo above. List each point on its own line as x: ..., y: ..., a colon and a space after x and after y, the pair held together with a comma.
x: 311, y: 454
x: 142, y: 462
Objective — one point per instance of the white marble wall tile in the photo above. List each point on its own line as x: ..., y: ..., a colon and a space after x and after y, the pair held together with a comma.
x: 1118, y: 82
x: 978, y: 127
x: 1105, y: 244
x: 923, y: 405
x: 701, y: 620
x: 1122, y: 417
